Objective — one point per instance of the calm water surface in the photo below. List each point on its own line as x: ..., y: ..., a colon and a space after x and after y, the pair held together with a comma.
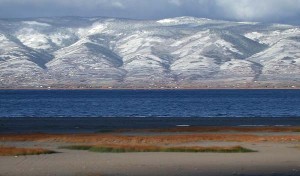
x: 154, y: 103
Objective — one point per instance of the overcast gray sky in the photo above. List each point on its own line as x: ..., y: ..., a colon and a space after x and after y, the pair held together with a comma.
x: 283, y: 11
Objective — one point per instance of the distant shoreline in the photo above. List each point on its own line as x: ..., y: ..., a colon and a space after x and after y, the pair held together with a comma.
x: 23, y: 125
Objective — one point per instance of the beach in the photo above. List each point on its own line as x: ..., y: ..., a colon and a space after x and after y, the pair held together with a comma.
x: 275, y: 151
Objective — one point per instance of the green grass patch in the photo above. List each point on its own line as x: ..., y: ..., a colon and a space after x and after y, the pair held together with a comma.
x: 76, y: 147
x: 128, y: 149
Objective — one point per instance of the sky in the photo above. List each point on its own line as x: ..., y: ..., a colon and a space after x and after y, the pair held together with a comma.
x: 273, y: 11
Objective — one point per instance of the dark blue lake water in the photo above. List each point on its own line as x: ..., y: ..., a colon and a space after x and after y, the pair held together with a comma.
x: 154, y: 103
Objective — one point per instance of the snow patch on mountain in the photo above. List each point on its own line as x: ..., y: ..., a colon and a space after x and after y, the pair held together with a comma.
x: 33, y: 39
x: 35, y: 23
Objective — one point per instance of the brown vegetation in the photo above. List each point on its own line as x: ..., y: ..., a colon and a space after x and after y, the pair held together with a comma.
x: 13, y: 151
x: 132, y: 148
x: 221, y: 129
x: 147, y: 140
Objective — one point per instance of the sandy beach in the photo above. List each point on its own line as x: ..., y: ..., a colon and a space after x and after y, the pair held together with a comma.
x: 277, y: 153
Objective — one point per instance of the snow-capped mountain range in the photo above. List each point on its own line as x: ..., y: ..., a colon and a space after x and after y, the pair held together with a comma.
x: 183, y: 52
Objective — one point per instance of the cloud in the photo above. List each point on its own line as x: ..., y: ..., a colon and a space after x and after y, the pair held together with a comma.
x: 176, y: 2
x: 118, y: 4
x: 260, y: 10
x: 285, y: 11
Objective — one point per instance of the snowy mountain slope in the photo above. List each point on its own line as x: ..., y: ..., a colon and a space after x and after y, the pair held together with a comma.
x: 19, y: 63
x: 281, y: 59
x: 87, y: 62
x: 176, y: 52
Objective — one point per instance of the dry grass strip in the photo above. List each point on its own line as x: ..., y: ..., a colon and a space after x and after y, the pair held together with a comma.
x: 13, y: 151
x: 147, y: 140
x: 203, y: 129
x: 131, y: 148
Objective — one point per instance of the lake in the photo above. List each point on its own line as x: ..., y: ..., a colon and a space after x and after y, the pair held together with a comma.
x: 150, y: 103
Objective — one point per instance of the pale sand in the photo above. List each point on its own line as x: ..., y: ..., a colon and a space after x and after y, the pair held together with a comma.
x: 274, y: 159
